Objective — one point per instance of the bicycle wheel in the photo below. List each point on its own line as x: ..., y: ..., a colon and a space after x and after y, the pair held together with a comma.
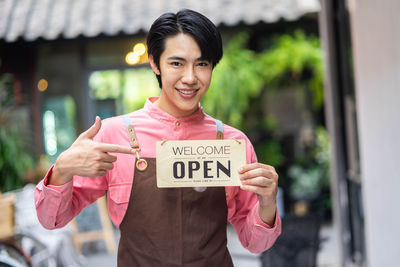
x: 13, y: 256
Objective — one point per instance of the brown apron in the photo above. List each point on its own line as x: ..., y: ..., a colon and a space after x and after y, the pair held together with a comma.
x: 173, y: 226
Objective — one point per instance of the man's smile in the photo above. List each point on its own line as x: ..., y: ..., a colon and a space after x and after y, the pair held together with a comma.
x: 187, y: 92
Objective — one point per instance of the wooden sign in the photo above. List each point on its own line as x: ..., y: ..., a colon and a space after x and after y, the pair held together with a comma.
x: 199, y: 163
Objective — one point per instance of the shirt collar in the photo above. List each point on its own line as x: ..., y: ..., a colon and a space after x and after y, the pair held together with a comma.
x: 159, y: 114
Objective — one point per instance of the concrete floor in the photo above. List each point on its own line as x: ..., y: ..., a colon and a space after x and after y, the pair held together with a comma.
x: 328, y: 256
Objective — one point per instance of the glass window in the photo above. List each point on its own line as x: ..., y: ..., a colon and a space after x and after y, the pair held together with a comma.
x: 116, y: 92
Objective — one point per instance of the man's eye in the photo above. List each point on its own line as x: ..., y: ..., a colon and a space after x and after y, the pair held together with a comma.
x: 175, y: 63
x: 203, y: 64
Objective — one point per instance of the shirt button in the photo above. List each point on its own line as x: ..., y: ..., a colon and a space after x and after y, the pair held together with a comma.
x: 177, y: 123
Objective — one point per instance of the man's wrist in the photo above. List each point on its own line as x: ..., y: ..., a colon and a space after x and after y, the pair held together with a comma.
x: 59, y: 175
x: 267, y: 214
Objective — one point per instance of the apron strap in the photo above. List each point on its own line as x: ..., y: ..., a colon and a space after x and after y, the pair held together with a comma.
x: 220, y: 129
x: 141, y: 164
x: 131, y: 133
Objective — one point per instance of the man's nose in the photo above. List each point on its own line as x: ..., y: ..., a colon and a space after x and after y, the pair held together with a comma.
x: 189, y: 75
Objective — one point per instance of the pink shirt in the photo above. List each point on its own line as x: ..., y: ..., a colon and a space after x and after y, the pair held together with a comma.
x: 57, y: 205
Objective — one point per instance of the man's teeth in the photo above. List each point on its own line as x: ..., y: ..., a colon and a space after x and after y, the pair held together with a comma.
x: 187, y: 92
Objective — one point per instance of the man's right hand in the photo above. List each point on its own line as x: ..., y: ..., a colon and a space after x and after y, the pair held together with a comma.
x: 86, y: 157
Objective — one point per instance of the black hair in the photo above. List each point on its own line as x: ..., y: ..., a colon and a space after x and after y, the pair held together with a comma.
x: 189, y: 22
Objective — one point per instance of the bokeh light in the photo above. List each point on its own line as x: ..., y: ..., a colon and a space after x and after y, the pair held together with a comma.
x: 132, y: 58
x: 139, y: 49
x: 42, y: 85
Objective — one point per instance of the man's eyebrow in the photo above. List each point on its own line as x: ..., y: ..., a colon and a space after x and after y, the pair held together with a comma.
x: 182, y: 59
x: 176, y: 58
x: 201, y: 59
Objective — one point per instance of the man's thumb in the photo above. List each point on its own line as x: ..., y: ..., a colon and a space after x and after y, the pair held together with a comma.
x: 93, y: 130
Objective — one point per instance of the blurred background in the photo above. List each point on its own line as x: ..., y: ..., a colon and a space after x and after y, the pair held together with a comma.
x: 312, y: 83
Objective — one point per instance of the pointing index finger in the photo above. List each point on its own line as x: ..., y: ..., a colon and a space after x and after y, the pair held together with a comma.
x: 117, y: 149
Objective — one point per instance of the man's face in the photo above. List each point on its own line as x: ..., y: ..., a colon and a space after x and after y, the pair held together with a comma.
x: 185, y: 76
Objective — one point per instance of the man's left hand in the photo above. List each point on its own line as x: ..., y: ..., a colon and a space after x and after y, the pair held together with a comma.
x: 262, y: 180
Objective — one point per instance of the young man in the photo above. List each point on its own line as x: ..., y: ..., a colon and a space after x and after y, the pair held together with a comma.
x: 168, y: 226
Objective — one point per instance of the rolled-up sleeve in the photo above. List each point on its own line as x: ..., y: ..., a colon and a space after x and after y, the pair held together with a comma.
x: 52, y: 200
x: 57, y: 205
x: 255, y: 235
x: 261, y: 236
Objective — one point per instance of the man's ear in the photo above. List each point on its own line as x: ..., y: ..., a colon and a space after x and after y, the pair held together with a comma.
x: 153, y: 65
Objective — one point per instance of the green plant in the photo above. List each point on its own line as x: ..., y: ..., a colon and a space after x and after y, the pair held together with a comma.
x: 295, y: 59
x: 236, y: 79
x: 310, y: 174
x: 242, y: 74
x: 14, y: 161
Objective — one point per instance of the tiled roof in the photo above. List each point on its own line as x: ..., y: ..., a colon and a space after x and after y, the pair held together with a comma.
x: 51, y: 19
